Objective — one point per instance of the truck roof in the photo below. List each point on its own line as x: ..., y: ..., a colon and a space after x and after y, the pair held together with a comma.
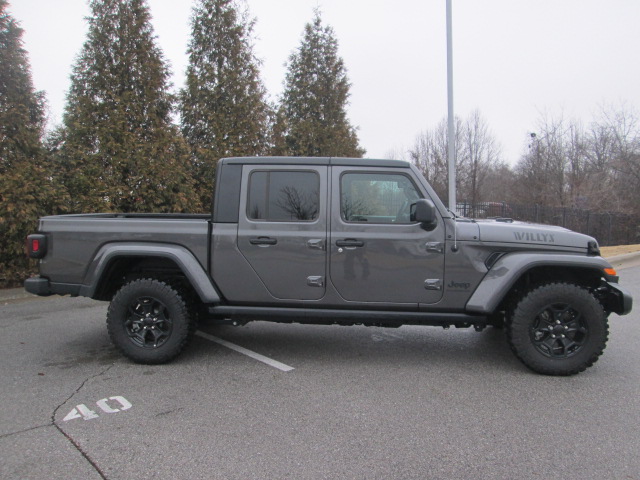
x: 339, y: 161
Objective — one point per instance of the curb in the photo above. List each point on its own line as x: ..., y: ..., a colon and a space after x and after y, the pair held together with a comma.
x: 15, y: 294
x: 625, y: 260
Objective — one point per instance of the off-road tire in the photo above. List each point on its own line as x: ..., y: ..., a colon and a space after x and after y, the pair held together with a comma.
x: 149, y: 321
x: 557, y: 329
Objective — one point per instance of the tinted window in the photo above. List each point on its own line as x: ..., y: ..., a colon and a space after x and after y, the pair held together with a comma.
x: 280, y: 196
x: 377, y: 198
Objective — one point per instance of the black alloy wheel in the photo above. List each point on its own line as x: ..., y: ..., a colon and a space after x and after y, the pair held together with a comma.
x: 557, y: 329
x: 149, y: 321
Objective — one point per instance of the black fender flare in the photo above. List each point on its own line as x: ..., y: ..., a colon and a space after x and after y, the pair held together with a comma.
x: 182, y: 257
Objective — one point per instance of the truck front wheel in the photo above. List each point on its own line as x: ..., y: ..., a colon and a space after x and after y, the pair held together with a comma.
x: 558, y: 329
x: 149, y: 322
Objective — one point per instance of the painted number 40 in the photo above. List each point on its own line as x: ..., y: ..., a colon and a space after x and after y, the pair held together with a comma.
x: 84, y: 412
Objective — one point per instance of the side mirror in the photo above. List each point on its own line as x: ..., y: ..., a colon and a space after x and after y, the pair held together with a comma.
x: 424, y: 211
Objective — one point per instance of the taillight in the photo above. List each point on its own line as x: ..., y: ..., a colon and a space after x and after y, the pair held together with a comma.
x: 37, y: 245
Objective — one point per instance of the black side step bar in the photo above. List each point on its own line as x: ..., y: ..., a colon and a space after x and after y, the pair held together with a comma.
x: 331, y: 316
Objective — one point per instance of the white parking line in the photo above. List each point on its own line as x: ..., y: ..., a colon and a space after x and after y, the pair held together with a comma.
x: 244, y: 351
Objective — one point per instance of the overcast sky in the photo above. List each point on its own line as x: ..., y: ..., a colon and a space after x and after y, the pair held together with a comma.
x: 514, y: 60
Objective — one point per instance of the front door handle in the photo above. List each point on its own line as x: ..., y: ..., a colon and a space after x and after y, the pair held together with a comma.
x: 263, y: 241
x: 349, y: 242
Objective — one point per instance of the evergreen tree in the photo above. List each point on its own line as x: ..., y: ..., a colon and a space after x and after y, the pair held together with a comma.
x: 118, y: 149
x: 223, y: 108
x: 26, y: 191
x: 313, y: 112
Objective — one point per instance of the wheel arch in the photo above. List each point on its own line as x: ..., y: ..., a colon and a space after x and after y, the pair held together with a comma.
x: 114, y: 262
x: 514, y: 272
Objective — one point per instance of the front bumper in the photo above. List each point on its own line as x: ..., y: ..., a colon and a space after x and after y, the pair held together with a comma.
x: 620, y: 300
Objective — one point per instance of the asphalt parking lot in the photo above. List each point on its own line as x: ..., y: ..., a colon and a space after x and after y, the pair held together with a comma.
x: 316, y: 402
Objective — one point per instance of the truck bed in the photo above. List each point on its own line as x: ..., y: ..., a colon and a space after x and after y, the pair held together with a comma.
x: 74, y: 240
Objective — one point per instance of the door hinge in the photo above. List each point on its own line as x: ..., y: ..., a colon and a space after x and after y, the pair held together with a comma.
x: 435, y: 247
x: 316, y: 243
x: 433, y: 284
x: 315, y: 281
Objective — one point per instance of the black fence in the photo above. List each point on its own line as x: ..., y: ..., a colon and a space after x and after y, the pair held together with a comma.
x: 606, y: 228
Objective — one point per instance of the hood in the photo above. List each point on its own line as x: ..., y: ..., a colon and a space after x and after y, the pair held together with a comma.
x: 531, y: 233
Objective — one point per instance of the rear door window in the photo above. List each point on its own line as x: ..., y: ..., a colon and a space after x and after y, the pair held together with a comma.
x: 283, y: 196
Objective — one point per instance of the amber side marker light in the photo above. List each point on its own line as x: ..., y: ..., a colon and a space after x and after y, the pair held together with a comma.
x: 611, y: 272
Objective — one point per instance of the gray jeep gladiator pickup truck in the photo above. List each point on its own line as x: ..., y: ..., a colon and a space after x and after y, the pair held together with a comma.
x: 332, y: 241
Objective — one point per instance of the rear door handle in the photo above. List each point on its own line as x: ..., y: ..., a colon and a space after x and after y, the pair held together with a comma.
x: 349, y: 242
x: 263, y: 241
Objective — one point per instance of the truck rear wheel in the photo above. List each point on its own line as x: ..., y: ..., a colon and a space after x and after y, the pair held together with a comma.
x: 558, y: 329
x: 149, y: 322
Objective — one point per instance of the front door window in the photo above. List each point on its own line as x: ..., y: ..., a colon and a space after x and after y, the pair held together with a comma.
x: 377, y: 198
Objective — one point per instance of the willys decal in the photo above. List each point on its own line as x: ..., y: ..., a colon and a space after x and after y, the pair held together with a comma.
x: 534, y: 237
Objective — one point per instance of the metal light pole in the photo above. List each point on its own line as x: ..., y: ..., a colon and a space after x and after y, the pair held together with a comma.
x: 451, y: 130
